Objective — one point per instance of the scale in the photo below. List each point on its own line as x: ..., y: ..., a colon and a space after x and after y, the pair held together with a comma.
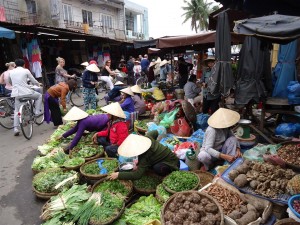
x: 243, y: 131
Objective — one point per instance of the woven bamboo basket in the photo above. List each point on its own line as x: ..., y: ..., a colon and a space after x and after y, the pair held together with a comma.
x: 98, y: 155
x: 44, y: 195
x: 205, y: 177
x: 95, y: 176
x: 144, y: 191
x: 159, y: 197
x: 287, y: 221
x: 127, y: 183
x: 173, y: 192
x: 186, y: 193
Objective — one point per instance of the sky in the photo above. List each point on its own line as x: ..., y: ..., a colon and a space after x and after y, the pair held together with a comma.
x: 165, y: 17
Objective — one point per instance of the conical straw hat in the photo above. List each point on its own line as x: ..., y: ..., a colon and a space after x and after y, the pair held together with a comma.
x: 75, y: 114
x: 136, y: 89
x: 114, y: 109
x: 84, y: 64
x: 164, y: 62
x: 134, y: 145
x: 127, y: 91
x: 223, y: 118
x: 119, y: 83
x: 93, y: 68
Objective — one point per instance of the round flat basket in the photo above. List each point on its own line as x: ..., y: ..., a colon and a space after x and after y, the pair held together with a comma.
x: 205, y: 177
x: 145, y: 191
x: 97, y: 155
x: 95, y: 176
x: 287, y: 221
x: 187, y: 194
x: 290, y: 165
x: 44, y: 195
x: 127, y: 184
x: 189, y: 111
x: 159, y: 197
x: 173, y: 192
x: 43, y: 210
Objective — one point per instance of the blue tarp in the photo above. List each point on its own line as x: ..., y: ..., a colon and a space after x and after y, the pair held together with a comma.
x: 6, y: 33
x: 285, y: 70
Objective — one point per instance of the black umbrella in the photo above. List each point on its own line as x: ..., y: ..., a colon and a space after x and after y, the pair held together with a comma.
x: 222, y: 79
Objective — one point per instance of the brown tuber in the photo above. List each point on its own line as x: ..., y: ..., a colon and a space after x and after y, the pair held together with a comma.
x: 233, y: 174
x: 241, y: 180
x: 235, y: 214
x: 249, y: 217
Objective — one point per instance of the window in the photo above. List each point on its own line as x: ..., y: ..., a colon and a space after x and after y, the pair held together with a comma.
x: 106, y: 21
x: 129, y: 22
x: 67, y: 12
x: 87, y: 17
x: 31, y: 6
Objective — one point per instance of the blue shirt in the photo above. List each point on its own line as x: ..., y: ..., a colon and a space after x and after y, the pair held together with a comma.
x: 144, y: 64
x: 128, y: 105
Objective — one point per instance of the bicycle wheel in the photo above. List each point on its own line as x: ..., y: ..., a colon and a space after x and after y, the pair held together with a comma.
x: 77, y: 97
x: 26, y: 121
x: 6, y: 114
x: 142, y: 81
x: 40, y: 119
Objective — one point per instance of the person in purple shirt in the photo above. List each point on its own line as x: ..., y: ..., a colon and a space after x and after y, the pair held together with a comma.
x: 85, y: 122
x: 127, y: 103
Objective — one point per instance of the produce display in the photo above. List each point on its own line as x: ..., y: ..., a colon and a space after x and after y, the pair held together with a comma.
x: 162, y: 193
x: 142, y: 124
x: 290, y: 153
x: 173, y: 141
x: 76, y: 161
x: 87, y: 151
x: 54, y: 180
x: 93, y: 168
x: 264, y: 178
x: 113, y: 186
x: 101, y: 208
x: 62, y: 208
x: 293, y: 186
x: 147, y: 182
x: 181, y: 181
x: 146, y: 209
x: 55, y: 159
x: 191, y: 207
x: 296, y: 205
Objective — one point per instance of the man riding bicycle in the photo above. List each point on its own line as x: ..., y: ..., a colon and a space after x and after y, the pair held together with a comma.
x: 18, y: 78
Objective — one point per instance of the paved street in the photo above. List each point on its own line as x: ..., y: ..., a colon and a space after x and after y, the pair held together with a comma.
x: 18, y: 204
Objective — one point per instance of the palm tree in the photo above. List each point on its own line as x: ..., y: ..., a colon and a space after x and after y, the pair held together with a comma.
x: 198, y: 11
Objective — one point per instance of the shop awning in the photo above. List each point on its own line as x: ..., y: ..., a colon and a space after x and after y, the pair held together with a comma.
x: 143, y: 44
x: 6, y: 33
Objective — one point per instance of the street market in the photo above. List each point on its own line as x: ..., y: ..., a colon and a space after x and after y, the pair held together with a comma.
x: 171, y: 130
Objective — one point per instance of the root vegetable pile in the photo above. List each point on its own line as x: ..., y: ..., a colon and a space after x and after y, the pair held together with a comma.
x: 290, y: 154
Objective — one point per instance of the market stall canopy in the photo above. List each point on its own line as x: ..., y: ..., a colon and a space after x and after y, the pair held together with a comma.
x: 143, y: 44
x: 6, y: 33
x: 275, y: 28
x: 153, y: 50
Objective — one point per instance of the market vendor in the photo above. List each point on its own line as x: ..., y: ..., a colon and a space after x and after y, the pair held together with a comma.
x: 192, y: 91
x: 51, y: 104
x: 116, y: 131
x: 139, y: 102
x: 84, y: 123
x: 115, y: 94
x: 219, y: 141
x: 126, y: 102
x: 151, y: 155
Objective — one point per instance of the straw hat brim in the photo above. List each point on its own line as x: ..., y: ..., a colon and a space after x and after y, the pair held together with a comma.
x: 114, y: 109
x: 134, y: 145
x: 136, y: 89
x: 127, y: 91
x: 75, y: 114
x: 84, y: 64
x: 93, y: 68
x: 223, y: 118
x: 164, y: 62
x: 119, y: 83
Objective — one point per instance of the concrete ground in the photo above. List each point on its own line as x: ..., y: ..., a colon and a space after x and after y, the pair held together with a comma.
x: 18, y: 204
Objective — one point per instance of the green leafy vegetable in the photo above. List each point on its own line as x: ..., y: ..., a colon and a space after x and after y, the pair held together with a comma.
x: 77, y: 161
x: 113, y: 186
x: 181, y: 181
x: 163, y: 194
x: 87, y: 151
x: 93, y: 168
x: 147, y: 182
x: 43, y: 163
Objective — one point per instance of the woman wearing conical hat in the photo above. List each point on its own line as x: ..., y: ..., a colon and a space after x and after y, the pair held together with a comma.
x: 151, y: 155
x: 84, y: 123
x: 116, y: 132
x: 89, y: 82
x: 126, y: 102
x: 139, y: 102
x: 219, y: 142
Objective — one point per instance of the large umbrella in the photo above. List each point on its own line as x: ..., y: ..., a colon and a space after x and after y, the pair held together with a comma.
x: 222, y: 79
x: 254, y: 73
x: 6, y: 33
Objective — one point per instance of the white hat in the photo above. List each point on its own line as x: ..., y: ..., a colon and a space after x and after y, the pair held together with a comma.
x: 114, y: 109
x: 152, y: 63
x: 136, y: 89
x: 119, y: 83
x: 134, y: 145
x: 164, y: 62
x: 127, y: 91
x: 75, y: 114
x: 93, y: 68
x: 84, y: 64
x: 223, y: 118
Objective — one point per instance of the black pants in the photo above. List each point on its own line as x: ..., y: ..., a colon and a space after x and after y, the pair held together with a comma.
x: 111, y: 150
x: 162, y: 169
x: 130, y: 78
x: 213, y: 105
x: 55, y: 111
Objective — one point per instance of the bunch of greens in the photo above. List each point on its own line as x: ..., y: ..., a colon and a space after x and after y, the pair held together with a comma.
x: 48, y: 147
x: 77, y: 161
x: 64, y: 206
x: 91, y: 111
x: 43, y: 163
x: 100, y: 208
x: 143, y: 211
x: 86, y: 151
x: 181, y: 181
x: 147, y: 182
x: 58, y: 132
x: 173, y: 141
x: 113, y: 186
x: 162, y: 193
x: 111, y: 165
x: 57, y: 221
x: 59, y: 157
x: 93, y: 168
x: 54, y: 180
x: 142, y: 124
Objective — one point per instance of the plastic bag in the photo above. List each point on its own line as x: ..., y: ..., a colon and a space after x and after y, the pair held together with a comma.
x: 197, y: 136
x: 164, y: 142
x: 257, y: 152
x: 202, y: 121
x: 181, y: 128
x: 160, y: 129
x: 286, y: 129
x: 169, y: 118
x: 182, y: 149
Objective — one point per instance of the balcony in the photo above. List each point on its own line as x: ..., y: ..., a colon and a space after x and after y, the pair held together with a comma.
x: 73, y: 25
x: 21, y: 17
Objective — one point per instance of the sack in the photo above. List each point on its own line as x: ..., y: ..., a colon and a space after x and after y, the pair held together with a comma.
x: 202, y: 121
x: 181, y: 128
x: 286, y: 129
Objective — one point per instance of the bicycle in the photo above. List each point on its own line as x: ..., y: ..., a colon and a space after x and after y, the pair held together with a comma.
x: 76, y: 96
x: 27, y: 117
x: 7, y: 107
x: 142, y: 80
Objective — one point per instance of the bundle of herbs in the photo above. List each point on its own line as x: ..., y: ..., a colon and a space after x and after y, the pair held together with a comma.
x: 101, y: 208
x: 162, y: 194
x: 54, y: 180
x: 76, y: 161
x: 113, y: 186
x: 93, y: 168
x: 147, y: 182
x: 181, y: 181
x: 64, y: 206
x: 86, y: 151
